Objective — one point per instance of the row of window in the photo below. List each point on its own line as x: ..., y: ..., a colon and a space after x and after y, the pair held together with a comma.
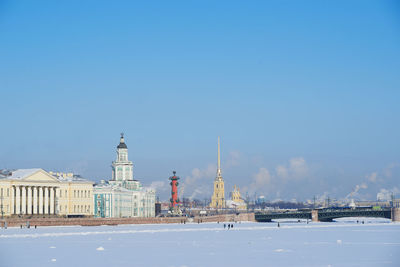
x: 81, y: 208
x: 77, y: 193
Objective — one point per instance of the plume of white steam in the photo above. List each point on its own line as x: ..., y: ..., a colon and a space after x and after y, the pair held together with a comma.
x: 260, y: 179
x: 386, y: 194
x: 297, y: 169
x: 197, y: 174
x: 356, y: 189
x: 195, y: 193
x: 158, y: 186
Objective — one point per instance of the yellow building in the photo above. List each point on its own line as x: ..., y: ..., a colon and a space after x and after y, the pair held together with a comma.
x: 35, y: 192
x: 218, y: 197
x: 236, y: 201
x: 235, y: 195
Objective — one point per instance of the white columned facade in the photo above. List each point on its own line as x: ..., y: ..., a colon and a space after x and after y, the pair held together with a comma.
x: 41, y: 200
x: 23, y: 200
x: 17, y: 200
x: 35, y: 200
x: 29, y: 211
x: 12, y: 208
x: 51, y: 200
x: 46, y: 200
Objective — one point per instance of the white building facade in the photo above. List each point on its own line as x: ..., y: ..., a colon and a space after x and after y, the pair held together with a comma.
x: 123, y: 196
x: 36, y: 192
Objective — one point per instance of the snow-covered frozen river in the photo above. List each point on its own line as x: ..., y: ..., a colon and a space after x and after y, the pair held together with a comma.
x: 343, y: 243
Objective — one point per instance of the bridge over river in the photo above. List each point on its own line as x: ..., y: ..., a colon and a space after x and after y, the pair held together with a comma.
x: 327, y: 215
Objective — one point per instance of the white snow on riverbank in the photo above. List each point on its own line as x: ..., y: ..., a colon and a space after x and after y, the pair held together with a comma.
x: 341, y: 243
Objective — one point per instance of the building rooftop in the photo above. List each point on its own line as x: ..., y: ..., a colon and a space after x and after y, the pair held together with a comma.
x: 19, y: 174
x: 105, y: 185
x: 69, y: 177
x: 122, y: 142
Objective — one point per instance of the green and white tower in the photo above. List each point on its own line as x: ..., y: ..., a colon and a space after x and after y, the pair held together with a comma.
x: 122, y: 168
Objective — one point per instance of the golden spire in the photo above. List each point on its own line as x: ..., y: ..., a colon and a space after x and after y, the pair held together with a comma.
x: 219, y: 160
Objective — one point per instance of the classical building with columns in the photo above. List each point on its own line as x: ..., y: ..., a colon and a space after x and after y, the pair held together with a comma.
x: 123, y: 196
x: 35, y: 192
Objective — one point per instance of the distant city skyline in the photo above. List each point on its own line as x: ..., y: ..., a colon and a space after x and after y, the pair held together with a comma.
x: 304, y: 95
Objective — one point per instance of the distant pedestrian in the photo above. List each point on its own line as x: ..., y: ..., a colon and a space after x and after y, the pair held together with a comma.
x: 232, y: 225
x: 362, y: 222
x: 224, y: 226
x: 279, y: 225
x: 20, y: 226
x: 35, y: 226
x: 229, y: 226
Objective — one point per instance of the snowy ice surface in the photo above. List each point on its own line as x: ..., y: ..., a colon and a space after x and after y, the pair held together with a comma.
x: 340, y: 243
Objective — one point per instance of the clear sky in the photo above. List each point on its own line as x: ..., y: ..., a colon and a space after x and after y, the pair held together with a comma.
x: 304, y: 94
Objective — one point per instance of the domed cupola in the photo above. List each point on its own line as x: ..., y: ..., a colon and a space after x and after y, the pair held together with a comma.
x: 122, y: 142
x: 122, y: 168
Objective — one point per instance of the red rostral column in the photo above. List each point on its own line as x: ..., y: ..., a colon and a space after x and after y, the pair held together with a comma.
x: 174, y: 189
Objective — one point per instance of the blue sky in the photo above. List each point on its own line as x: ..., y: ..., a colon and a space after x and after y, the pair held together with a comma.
x: 303, y: 94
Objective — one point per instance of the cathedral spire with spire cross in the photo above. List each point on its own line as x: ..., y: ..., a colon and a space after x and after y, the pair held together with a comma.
x: 218, y: 198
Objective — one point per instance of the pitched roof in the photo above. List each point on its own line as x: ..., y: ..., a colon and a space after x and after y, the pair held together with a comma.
x: 74, y: 178
x: 21, y: 173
